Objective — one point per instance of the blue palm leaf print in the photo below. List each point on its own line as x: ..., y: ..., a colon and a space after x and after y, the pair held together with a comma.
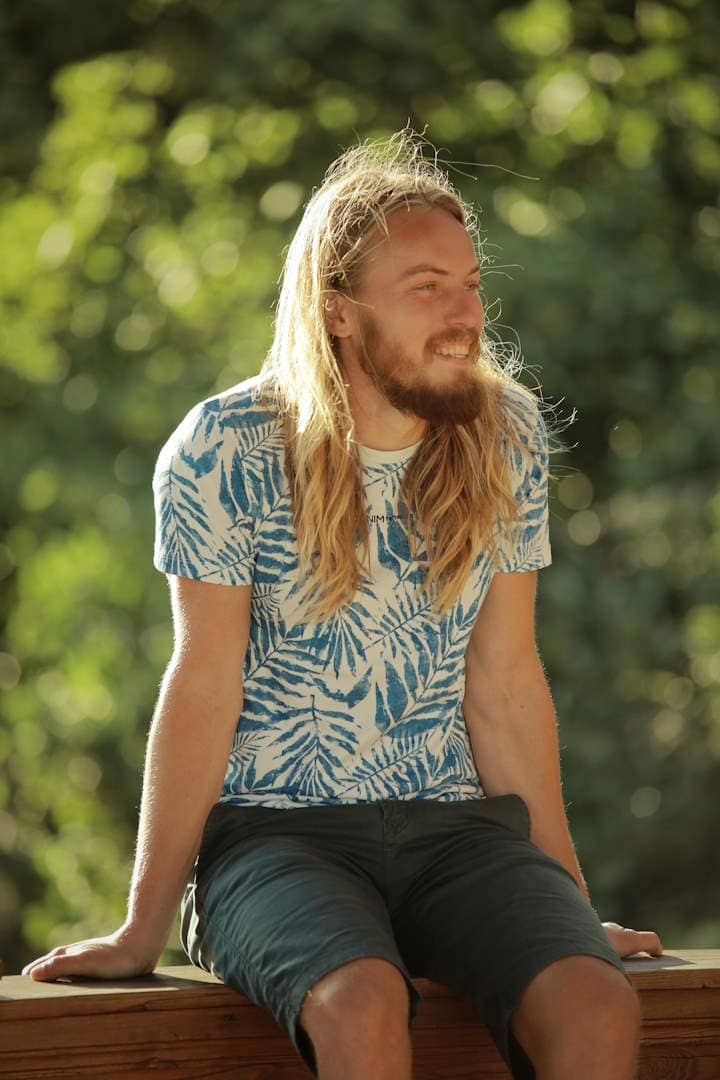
x: 343, y: 639
x: 455, y: 757
x: 407, y: 765
x: 367, y: 703
x: 191, y: 547
x: 310, y: 753
x: 350, y: 696
x: 269, y: 624
x: 388, y: 558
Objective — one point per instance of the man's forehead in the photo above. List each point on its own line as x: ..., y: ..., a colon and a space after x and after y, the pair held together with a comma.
x: 421, y: 237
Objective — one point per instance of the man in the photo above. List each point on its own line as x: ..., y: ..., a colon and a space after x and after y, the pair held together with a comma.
x: 352, y: 540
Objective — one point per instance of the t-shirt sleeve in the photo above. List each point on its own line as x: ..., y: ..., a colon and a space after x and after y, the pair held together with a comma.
x: 204, y: 525
x: 528, y: 546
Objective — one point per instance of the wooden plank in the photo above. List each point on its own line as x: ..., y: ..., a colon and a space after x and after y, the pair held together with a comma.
x: 208, y: 1068
x: 675, y: 969
x: 22, y: 987
x: 199, y: 1032
x: 678, y: 1004
x: 183, y: 1023
x: 139, y: 1028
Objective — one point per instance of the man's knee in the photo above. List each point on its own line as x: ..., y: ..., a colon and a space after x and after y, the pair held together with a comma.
x: 577, y: 997
x: 366, y: 993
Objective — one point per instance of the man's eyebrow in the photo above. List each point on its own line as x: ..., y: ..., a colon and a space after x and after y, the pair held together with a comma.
x: 426, y: 268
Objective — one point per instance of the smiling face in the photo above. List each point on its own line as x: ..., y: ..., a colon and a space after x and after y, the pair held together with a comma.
x: 418, y: 320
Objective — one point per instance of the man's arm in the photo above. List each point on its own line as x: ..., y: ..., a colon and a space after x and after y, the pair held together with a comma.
x: 513, y: 730
x: 188, y: 748
x: 510, y: 716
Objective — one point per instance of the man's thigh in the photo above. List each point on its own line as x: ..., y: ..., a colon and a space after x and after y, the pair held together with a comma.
x: 277, y: 904
x: 487, y: 910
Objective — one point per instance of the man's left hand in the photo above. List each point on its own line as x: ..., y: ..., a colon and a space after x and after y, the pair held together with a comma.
x: 628, y: 942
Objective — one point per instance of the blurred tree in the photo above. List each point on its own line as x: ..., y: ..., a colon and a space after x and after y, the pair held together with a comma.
x: 157, y: 161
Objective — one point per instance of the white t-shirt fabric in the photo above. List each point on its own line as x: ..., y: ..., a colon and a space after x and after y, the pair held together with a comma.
x: 364, y: 705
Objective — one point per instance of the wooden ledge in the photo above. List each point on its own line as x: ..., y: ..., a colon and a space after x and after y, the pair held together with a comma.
x: 183, y: 1023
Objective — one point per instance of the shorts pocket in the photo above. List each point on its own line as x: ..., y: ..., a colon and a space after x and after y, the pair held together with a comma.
x: 510, y: 811
x: 525, y: 814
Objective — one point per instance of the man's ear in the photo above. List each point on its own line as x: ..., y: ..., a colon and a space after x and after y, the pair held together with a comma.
x: 340, y: 317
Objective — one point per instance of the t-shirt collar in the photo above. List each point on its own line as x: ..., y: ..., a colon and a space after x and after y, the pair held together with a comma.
x: 368, y: 456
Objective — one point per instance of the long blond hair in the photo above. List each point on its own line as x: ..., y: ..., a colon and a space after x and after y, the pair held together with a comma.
x: 457, y: 487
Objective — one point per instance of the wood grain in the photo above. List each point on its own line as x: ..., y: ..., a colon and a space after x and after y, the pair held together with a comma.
x: 183, y: 1023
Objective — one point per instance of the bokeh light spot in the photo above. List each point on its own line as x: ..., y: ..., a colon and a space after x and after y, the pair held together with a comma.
x: 645, y: 801
x: 281, y: 200
x: 605, y: 67
x: 10, y: 671
x: 668, y: 727
x: 39, y: 489
x: 80, y: 393
x: 699, y: 384
x: 576, y: 491
x: 55, y: 245
x: 190, y: 148
x: 134, y: 332
x: 625, y: 439
x: 221, y: 258
x: 584, y: 528
x: 98, y: 178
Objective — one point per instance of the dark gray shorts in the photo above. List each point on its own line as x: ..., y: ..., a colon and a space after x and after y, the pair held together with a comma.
x: 454, y: 892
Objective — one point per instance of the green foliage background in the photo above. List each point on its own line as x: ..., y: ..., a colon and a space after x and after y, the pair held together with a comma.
x: 156, y: 157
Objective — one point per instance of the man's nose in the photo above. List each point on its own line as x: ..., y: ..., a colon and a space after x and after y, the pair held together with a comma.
x: 465, y: 308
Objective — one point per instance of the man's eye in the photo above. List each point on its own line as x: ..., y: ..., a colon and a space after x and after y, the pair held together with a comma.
x: 427, y: 286
x: 475, y: 286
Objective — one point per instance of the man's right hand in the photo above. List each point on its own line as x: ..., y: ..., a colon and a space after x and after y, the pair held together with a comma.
x: 119, y: 955
x: 186, y: 760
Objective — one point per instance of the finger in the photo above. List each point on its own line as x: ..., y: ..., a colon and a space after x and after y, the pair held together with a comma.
x: 650, y: 942
x: 641, y: 941
x: 59, y: 950
x: 39, y: 961
x: 56, y: 967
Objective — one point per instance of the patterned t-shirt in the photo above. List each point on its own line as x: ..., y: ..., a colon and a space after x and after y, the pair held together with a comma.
x: 366, y: 704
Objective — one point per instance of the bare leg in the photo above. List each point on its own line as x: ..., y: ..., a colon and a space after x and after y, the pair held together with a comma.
x: 357, y: 1019
x: 579, y: 1018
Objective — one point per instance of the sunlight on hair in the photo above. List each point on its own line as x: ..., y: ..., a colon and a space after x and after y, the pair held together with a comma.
x: 457, y: 487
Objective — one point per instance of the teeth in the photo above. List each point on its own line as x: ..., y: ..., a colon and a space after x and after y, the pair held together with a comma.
x: 452, y: 352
